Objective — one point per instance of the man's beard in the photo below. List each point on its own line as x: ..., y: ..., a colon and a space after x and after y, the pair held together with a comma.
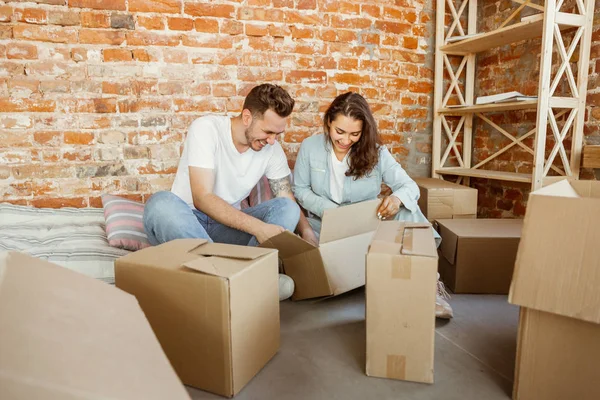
x: 249, y: 138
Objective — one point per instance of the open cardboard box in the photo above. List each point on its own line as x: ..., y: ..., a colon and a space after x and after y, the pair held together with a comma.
x: 337, y: 265
x: 214, y: 308
x: 64, y: 335
x: 556, y: 282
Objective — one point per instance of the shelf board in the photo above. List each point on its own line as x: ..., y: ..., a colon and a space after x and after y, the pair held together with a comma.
x: 525, y: 30
x: 516, y: 105
x: 482, y: 173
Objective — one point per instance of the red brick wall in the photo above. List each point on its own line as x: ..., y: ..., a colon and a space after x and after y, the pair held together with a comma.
x: 516, y: 67
x: 96, y: 95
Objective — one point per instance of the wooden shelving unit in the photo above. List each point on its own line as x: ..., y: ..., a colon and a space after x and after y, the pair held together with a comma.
x: 550, y: 24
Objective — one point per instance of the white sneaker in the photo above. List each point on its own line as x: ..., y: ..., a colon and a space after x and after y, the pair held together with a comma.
x: 442, y: 308
x: 286, y: 287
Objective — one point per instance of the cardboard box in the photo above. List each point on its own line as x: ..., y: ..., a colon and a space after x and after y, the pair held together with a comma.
x: 338, y: 264
x: 67, y: 336
x: 556, y: 282
x: 214, y: 308
x: 478, y: 255
x: 441, y: 199
x: 400, y: 302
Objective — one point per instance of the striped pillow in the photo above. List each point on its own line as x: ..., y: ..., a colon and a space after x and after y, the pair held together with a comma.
x: 124, y: 223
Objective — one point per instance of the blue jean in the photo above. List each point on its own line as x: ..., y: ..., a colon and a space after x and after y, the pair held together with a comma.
x: 167, y: 217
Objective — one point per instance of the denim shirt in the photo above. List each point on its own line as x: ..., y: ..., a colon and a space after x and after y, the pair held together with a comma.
x: 312, y: 177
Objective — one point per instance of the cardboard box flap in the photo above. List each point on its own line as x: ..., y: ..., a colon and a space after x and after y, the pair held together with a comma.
x: 288, y: 244
x: 355, y: 219
x: 562, y: 188
x: 224, y: 260
x: 398, y: 237
x: 438, y: 184
x: 230, y: 251
x: 309, y: 275
x: 586, y: 188
x: 418, y: 241
x: 449, y: 243
x: 557, y: 269
x: 217, y: 266
x: 65, y: 335
x: 390, y: 232
x: 170, y: 255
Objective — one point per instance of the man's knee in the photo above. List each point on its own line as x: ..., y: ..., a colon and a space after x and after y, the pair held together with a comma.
x: 286, y: 213
x: 159, y: 200
x: 157, y: 208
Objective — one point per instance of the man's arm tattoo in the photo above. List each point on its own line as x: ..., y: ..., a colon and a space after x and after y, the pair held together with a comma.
x: 280, y: 187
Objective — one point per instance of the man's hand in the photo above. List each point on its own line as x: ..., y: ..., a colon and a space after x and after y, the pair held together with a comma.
x: 282, y: 188
x: 267, y: 231
x: 389, y: 207
x: 309, y: 235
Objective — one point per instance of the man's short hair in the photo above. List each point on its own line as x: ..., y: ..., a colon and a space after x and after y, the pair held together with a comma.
x: 269, y: 97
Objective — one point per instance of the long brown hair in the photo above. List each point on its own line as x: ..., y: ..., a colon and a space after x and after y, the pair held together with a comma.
x: 364, y: 154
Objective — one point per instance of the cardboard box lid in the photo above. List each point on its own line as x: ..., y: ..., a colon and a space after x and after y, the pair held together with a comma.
x: 558, y: 263
x: 63, y: 334
x: 434, y: 183
x: 351, y: 220
x: 197, y: 255
x: 453, y: 230
x: 217, y: 258
x: 399, y: 237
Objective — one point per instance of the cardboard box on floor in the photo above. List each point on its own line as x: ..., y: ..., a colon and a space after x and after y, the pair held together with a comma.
x: 338, y: 264
x: 478, y: 255
x: 214, y: 308
x: 400, y: 302
x: 556, y: 283
x: 441, y: 199
x: 67, y: 336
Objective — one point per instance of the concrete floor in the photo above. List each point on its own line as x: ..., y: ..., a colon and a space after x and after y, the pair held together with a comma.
x: 322, y: 354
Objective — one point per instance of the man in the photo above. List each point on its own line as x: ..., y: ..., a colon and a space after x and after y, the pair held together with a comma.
x: 223, y: 159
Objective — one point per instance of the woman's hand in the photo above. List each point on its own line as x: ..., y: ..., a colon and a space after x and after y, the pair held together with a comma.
x: 389, y: 207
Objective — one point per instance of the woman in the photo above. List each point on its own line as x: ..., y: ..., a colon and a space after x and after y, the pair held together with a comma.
x: 348, y: 163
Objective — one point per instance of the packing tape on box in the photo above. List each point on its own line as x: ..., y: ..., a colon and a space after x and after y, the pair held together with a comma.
x: 401, y: 267
x: 407, y: 243
x: 396, y: 366
x: 400, y: 235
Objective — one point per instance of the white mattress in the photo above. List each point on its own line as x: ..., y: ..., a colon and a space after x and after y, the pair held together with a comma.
x: 74, y: 238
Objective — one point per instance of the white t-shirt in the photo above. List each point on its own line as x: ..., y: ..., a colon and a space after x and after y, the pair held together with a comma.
x: 209, y: 145
x: 337, y: 175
